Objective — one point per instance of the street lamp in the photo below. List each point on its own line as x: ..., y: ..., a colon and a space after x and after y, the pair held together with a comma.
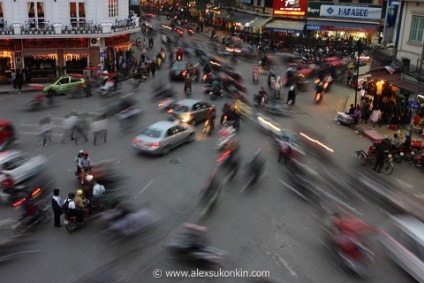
x: 359, y: 50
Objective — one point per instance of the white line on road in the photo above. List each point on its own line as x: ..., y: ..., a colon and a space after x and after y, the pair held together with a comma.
x: 145, y: 187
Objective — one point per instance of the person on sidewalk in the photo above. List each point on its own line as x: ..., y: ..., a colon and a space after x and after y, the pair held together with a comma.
x: 375, y: 116
x: 379, y: 161
x: 57, y: 207
x: 19, y: 78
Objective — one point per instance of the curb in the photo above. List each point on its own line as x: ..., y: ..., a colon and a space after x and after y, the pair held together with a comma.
x: 17, y: 92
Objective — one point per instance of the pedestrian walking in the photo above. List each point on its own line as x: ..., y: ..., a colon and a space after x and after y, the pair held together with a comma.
x: 79, y: 130
x: 68, y: 124
x: 19, y: 78
x: 46, y: 126
x: 57, y: 207
x: 99, y: 128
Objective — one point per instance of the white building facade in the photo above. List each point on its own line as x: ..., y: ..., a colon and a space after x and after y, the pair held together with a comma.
x: 410, y: 33
x: 51, y: 37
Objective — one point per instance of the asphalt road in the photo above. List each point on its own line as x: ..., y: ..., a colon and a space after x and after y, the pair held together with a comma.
x: 266, y: 229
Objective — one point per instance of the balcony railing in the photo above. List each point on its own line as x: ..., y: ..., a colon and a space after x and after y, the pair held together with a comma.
x: 73, y: 28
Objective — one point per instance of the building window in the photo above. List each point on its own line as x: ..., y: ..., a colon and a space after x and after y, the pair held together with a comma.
x: 345, y: 1
x: 259, y: 3
x: 2, y: 24
x: 366, y: 2
x: 36, y: 15
x: 113, y: 8
x: 417, y: 29
x: 77, y: 13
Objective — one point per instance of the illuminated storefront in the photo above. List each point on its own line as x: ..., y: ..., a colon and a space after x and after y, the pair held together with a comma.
x: 344, y: 21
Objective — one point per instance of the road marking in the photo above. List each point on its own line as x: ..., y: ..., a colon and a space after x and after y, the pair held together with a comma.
x: 145, y: 187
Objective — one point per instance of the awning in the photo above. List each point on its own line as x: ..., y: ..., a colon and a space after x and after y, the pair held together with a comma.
x: 258, y: 22
x: 285, y: 26
x: 396, y: 80
x: 242, y: 18
x: 340, y: 26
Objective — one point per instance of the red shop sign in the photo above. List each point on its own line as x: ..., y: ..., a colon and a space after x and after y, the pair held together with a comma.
x: 290, y: 8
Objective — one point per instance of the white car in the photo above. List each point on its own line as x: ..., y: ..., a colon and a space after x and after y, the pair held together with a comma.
x: 163, y: 136
x: 21, y: 166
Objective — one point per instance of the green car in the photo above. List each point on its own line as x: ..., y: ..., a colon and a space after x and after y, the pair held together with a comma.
x: 64, y: 85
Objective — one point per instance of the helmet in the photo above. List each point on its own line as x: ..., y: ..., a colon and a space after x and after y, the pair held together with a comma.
x: 85, y: 153
x: 292, y: 88
x: 395, y: 135
x: 89, y: 178
x: 262, y: 88
x: 408, y: 135
x: 81, y: 151
x: 79, y: 192
x: 71, y: 195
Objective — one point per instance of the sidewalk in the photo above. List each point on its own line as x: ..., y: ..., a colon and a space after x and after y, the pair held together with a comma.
x: 8, y: 89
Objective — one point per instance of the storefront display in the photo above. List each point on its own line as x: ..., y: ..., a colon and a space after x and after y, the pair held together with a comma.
x: 346, y: 21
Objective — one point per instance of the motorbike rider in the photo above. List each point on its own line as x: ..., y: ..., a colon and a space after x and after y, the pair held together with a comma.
x: 256, y: 164
x: 264, y: 60
x: 319, y: 88
x: 226, y: 109
x: 195, y: 236
x: 261, y: 97
x: 84, y: 165
x: 72, y: 209
x: 232, y: 158
x: 79, y: 203
x: 408, y: 141
x: 31, y: 209
x: 211, y: 117
x: 179, y: 54
x: 216, y: 86
x: 187, y: 82
x: 270, y: 75
x: 396, y: 143
x: 291, y: 97
x: 328, y: 79
x: 77, y: 160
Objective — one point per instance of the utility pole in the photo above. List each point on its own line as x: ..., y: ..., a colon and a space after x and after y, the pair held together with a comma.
x: 359, y: 52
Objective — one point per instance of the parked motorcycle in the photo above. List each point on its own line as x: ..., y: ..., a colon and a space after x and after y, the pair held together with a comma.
x: 369, y: 156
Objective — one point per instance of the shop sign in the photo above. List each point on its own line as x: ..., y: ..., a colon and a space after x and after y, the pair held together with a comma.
x: 282, y: 30
x: 344, y: 11
x: 414, y: 104
x: 290, y: 8
x: 334, y: 27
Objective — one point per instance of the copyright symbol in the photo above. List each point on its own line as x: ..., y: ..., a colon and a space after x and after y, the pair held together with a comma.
x: 157, y: 273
